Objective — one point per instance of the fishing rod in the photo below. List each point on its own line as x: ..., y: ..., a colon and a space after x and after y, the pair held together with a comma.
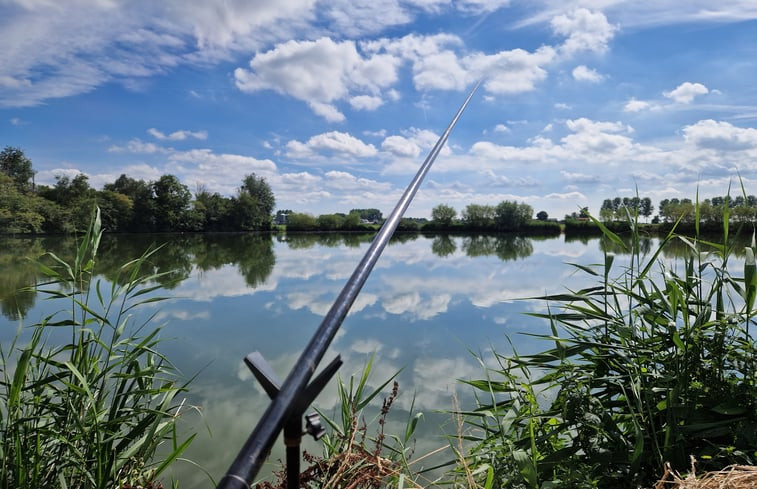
x: 291, y: 397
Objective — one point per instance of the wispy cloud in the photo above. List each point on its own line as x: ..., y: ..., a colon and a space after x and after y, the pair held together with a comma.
x: 177, y: 135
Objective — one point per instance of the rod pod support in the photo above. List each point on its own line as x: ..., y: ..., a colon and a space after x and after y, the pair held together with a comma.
x: 293, y: 421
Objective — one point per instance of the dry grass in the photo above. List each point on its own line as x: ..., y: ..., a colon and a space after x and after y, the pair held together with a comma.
x: 731, y: 477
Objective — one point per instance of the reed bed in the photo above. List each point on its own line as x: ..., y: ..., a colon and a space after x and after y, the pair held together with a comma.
x: 91, y: 411
x: 651, y: 365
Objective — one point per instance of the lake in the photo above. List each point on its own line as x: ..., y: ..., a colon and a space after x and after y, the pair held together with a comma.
x: 428, y: 306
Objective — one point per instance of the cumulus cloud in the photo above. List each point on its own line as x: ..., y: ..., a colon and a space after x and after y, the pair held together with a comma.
x: 597, y: 138
x: 634, y: 105
x: 366, y: 102
x: 334, y: 142
x: 720, y: 135
x: 319, y: 72
x: 584, y: 30
x: 589, y: 142
x: 436, y: 64
x: 401, y: 146
x: 513, y: 71
x: 686, y: 92
x: 583, y: 73
x: 409, y: 145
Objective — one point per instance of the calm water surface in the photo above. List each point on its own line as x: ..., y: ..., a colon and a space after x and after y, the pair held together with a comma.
x: 430, y: 303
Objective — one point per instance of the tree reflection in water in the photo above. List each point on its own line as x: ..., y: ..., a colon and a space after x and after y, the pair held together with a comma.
x: 253, y: 255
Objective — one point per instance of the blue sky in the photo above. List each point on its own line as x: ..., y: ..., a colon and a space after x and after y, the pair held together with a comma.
x: 336, y: 103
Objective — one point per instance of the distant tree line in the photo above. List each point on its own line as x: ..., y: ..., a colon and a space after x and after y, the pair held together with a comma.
x: 618, y: 209
x: 127, y: 204
x: 712, y: 210
x: 355, y: 220
x: 739, y: 209
x: 505, y: 216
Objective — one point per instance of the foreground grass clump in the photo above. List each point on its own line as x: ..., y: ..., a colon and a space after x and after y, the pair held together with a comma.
x: 358, y: 453
x: 652, y: 365
x: 90, y: 411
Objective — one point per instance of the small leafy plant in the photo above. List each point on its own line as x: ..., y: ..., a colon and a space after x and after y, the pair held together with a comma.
x: 90, y: 412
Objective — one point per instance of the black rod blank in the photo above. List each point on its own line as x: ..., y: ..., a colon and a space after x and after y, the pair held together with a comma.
x: 253, y: 453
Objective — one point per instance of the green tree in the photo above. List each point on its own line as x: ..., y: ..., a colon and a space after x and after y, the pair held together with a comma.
x: 646, y: 207
x: 15, y: 164
x: 18, y: 211
x: 143, y: 200
x: 512, y: 215
x: 75, y: 198
x: 172, y: 199
x: 351, y: 221
x: 370, y: 215
x: 215, y: 210
x: 443, y: 214
x: 542, y: 215
x: 257, y: 210
x: 330, y: 222
x: 116, y: 210
x: 299, y: 221
x: 478, y: 216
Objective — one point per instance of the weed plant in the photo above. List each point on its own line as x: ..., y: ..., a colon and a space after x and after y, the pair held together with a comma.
x: 654, y: 363
x: 357, y: 452
x: 91, y: 412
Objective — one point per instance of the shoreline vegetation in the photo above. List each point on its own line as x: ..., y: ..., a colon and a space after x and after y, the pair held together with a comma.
x: 166, y: 205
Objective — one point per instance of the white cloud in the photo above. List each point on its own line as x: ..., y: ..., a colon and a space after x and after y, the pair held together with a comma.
x: 11, y: 82
x: 401, y: 146
x: 501, y: 128
x: 218, y: 172
x: 686, y: 92
x: 634, y: 105
x: 358, y: 17
x: 720, y: 135
x: 579, y: 177
x: 589, y: 142
x: 177, y: 135
x: 571, y: 196
x: 436, y: 66
x: 333, y: 142
x: 138, y: 146
x: 344, y: 181
x: 327, y: 111
x: 582, y: 73
x: 585, y: 31
x: 237, y: 24
x: 319, y: 73
x: 366, y: 102
x: 600, y: 139
x: 509, y: 72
